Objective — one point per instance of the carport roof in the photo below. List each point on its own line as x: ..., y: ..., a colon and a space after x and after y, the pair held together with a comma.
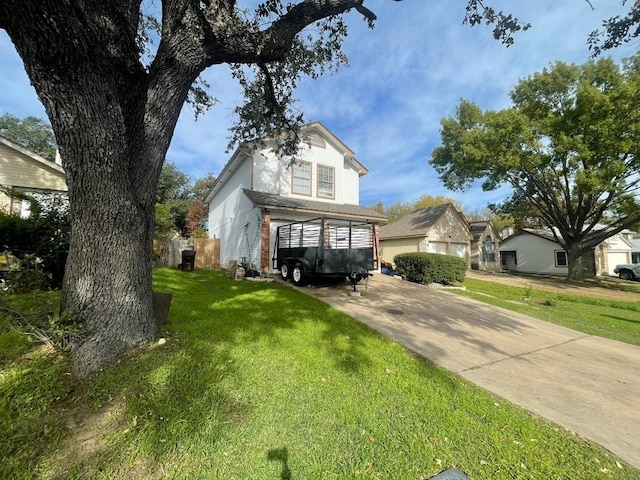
x: 270, y: 200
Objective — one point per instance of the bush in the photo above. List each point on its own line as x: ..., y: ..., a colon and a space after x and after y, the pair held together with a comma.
x: 44, y: 234
x: 430, y: 267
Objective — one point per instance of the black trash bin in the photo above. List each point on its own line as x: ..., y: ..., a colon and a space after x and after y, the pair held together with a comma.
x: 188, y: 260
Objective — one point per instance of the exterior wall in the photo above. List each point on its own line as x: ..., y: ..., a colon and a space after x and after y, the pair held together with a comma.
x: 393, y: 247
x: 272, y: 174
x: 453, y: 232
x: 234, y: 220
x: 27, y: 174
x: 618, y: 251
x: 480, y: 246
x: 534, y: 254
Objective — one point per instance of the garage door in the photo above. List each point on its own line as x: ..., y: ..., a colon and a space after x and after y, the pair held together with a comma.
x: 616, y: 258
x: 459, y: 250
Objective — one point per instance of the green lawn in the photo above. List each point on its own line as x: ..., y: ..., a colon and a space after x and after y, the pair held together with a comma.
x: 612, y: 319
x: 258, y: 381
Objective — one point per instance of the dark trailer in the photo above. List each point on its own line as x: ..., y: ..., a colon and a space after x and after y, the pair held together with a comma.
x: 325, y: 247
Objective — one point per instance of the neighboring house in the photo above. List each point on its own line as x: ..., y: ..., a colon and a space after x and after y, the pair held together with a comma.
x: 441, y: 229
x: 257, y: 191
x: 26, y: 171
x: 635, y: 253
x: 538, y: 251
x: 485, y: 246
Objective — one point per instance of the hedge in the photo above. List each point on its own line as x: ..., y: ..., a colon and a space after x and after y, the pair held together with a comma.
x: 430, y: 267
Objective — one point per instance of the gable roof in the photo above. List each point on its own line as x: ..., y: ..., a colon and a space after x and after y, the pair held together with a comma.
x: 39, y: 160
x: 245, y: 151
x: 416, y: 224
x: 271, y: 200
x: 544, y: 234
x: 478, y: 227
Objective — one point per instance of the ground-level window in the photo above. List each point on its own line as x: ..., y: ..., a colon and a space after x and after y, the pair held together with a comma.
x: 301, y: 178
x: 326, y: 181
x: 561, y: 258
x: 635, y: 257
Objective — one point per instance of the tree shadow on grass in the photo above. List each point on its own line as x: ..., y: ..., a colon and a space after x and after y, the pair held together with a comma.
x: 161, y: 400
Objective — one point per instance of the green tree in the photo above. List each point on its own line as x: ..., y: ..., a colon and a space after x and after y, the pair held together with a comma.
x: 426, y: 201
x: 113, y: 106
x: 203, y: 186
x: 402, y: 208
x: 568, y: 147
x: 30, y: 132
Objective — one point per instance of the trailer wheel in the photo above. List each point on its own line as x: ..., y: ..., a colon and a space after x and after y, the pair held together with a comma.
x: 297, y: 275
x: 284, y: 271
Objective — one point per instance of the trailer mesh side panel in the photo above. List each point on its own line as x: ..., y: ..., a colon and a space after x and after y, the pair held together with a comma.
x: 327, y: 246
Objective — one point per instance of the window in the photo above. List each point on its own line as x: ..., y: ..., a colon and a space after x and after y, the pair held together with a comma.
x: 301, y: 178
x: 488, y: 250
x: 326, y: 181
x: 561, y: 258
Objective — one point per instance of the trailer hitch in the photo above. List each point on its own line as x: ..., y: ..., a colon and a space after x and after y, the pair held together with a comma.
x: 357, y: 276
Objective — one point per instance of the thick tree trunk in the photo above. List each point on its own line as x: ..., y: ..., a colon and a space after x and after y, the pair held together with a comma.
x: 108, y: 276
x: 576, y: 267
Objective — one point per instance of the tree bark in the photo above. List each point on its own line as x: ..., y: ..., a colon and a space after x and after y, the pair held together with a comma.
x: 575, y: 264
x: 113, y: 120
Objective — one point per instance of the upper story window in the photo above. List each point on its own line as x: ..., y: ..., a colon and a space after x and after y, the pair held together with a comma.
x: 301, y: 178
x: 326, y: 181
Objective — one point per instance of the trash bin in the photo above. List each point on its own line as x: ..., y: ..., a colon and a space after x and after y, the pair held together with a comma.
x: 188, y: 260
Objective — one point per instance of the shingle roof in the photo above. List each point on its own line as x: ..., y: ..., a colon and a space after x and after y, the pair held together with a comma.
x: 415, y: 224
x: 263, y: 199
x: 478, y: 227
x: 546, y: 234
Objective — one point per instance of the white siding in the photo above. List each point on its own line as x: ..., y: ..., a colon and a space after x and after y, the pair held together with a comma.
x: 272, y: 174
x: 534, y: 254
x: 233, y: 219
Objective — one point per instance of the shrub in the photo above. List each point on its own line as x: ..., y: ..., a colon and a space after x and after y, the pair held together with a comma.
x: 44, y: 234
x: 430, y: 267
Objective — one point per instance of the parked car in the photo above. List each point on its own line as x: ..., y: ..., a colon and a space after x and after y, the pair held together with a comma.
x: 628, y: 271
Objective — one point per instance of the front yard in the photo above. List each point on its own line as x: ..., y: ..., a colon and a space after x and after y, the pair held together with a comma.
x: 589, y: 308
x: 258, y: 381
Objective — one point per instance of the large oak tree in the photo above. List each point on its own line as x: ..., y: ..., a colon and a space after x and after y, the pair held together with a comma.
x: 113, y: 107
x: 569, y: 147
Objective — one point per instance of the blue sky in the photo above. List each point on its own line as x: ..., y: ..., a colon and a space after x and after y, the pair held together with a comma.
x: 404, y: 77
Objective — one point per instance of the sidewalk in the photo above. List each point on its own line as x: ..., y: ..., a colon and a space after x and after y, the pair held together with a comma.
x: 587, y: 384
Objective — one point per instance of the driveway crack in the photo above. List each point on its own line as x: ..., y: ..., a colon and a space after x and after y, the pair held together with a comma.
x: 548, y: 347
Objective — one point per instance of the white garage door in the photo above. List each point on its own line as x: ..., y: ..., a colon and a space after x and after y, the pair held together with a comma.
x: 437, y: 247
x: 459, y: 250
x: 616, y: 258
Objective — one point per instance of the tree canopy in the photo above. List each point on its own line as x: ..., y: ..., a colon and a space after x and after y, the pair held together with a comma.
x: 401, y: 208
x: 31, y: 132
x: 568, y: 147
x: 113, y: 102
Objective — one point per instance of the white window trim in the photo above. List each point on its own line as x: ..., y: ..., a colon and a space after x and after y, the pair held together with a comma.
x: 293, y: 169
x: 566, y: 258
x: 333, y: 182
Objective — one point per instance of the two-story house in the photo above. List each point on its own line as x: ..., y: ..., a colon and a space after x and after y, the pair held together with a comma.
x: 258, y: 190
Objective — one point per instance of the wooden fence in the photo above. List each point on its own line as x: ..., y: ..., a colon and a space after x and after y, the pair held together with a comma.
x: 169, y: 253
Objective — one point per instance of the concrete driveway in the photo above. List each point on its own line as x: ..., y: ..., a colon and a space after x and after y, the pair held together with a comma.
x: 587, y: 384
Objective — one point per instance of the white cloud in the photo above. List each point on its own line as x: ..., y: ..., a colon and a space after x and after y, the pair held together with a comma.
x: 405, y: 75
